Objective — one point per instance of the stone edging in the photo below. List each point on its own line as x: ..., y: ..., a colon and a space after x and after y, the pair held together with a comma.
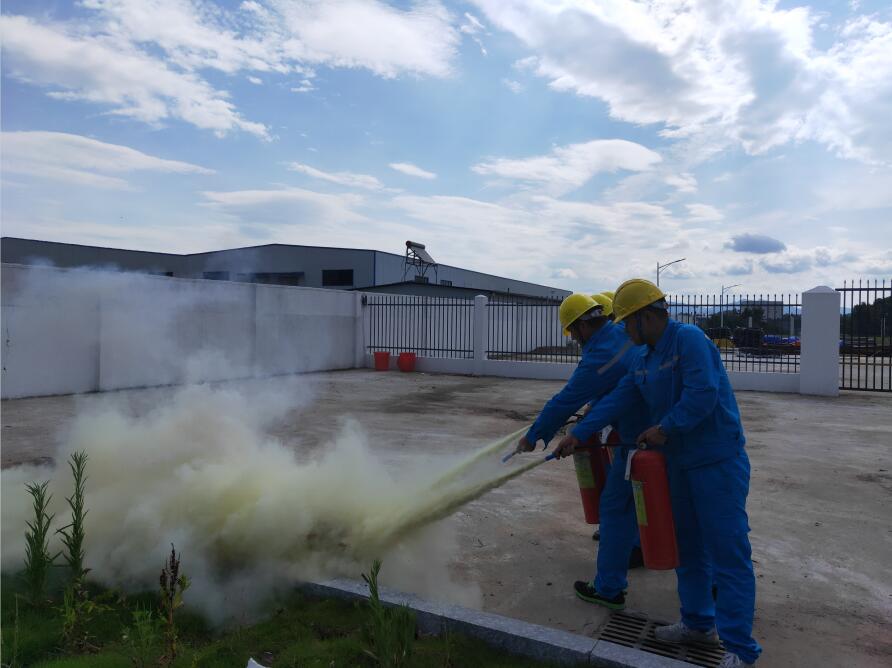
x: 511, y: 635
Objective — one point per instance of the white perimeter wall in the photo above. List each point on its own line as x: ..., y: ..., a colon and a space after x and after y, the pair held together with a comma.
x: 70, y: 331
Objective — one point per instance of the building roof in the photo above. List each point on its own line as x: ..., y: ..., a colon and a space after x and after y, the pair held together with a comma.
x: 223, y: 250
x: 454, y: 289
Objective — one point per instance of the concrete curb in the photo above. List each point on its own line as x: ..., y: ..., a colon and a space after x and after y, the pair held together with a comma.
x: 511, y: 635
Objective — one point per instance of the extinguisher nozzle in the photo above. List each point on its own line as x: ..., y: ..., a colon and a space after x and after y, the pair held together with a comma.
x: 550, y: 457
x: 509, y: 456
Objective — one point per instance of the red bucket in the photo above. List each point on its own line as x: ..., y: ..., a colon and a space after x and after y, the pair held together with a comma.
x: 382, y: 361
x: 406, y: 362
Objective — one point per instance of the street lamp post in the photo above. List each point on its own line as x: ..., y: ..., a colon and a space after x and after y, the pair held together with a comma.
x: 660, y: 268
x: 722, y: 304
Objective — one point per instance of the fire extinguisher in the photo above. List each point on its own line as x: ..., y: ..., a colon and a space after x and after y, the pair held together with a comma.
x: 612, y: 441
x: 653, y: 506
x: 591, y: 465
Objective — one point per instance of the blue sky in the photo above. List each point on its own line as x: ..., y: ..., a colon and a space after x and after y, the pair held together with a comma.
x: 568, y: 143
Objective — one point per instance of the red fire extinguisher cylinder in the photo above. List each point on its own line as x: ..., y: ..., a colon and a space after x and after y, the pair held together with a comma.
x: 653, y: 506
x: 591, y: 473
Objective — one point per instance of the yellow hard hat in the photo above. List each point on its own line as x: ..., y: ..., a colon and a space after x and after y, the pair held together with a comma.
x: 609, y: 294
x: 572, y: 308
x: 634, y: 295
x: 605, y: 302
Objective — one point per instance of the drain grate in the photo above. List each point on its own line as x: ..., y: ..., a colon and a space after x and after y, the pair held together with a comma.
x: 637, y: 631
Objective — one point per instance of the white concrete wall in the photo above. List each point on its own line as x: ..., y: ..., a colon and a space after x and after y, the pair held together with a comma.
x: 764, y: 381
x: 71, y: 331
x: 300, y: 329
x: 50, y: 340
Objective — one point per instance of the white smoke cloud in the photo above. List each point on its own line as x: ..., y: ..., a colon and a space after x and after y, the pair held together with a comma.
x: 248, y: 514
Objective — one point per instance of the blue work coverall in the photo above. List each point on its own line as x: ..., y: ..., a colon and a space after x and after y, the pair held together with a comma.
x: 606, y: 358
x: 687, y: 392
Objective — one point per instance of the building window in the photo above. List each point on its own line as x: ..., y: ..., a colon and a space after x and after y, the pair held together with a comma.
x: 422, y: 279
x: 337, y: 277
x: 216, y: 275
x: 448, y: 284
x: 278, y: 278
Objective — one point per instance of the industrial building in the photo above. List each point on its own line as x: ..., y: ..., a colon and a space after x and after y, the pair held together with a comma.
x: 414, y: 273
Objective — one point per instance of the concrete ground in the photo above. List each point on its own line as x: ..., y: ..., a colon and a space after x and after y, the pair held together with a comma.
x: 819, y: 504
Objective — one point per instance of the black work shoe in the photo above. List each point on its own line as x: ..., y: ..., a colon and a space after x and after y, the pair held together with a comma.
x: 596, y: 535
x: 589, y: 594
x: 636, y: 558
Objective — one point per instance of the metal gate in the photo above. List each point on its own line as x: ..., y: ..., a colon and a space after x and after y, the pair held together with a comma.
x: 865, y: 346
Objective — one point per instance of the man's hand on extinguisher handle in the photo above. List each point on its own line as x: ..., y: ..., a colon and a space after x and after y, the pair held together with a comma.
x: 652, y: 437
x: 566, y: 447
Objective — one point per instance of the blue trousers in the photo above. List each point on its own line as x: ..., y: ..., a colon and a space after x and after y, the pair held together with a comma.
x: 619, y: 530
x: 711, y: 525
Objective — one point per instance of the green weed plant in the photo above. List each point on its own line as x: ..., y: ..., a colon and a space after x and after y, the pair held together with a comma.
x: 38, y: 560
x: 389, y: 632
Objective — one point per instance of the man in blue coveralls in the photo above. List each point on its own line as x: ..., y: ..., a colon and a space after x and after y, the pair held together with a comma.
x: 607, y: 354
x: 696, y: 423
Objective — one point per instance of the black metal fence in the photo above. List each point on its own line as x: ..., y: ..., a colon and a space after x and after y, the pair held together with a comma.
x: 529, y: 332
x: 753, y: 332
x: 426, y: 326
x: 757, y: 332
x: 865, y: 342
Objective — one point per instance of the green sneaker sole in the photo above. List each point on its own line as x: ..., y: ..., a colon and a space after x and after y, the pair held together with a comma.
x: 597, y: 600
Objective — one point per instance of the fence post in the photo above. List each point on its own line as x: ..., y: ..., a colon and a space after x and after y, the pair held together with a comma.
x: 359, y: 357
x: 480, y: 330
x: 819, y: 361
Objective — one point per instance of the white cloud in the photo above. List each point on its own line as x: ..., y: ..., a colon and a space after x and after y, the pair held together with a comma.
x: 81, y: 160
x: 348, y: 179
x: 144, y: 59
x: 367, y: 34
x: 684, y: 183
x: 105, y: 70
x: 879, y: 264
x: 193, y: 34
x: 569, y: 167
x: 797, y: 260
x: 788, y: 263
x: 565, y: 272
x: 715, y: 73
x: 412, y: 170
x: 744, y: 268
x: 703, y: 213
x: 290, y: 35
x: 513, y: 86
x: 257, y: 81
x: 472, y: 27
x: 305, y: 86
x: 286, y: 206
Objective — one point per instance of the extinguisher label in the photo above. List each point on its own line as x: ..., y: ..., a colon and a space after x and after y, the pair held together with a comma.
x: 584, y: 474
x: 640, y: 508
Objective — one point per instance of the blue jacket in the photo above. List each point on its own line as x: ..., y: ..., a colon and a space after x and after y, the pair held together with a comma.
x: 684, y: 384
x: 606, y: 358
